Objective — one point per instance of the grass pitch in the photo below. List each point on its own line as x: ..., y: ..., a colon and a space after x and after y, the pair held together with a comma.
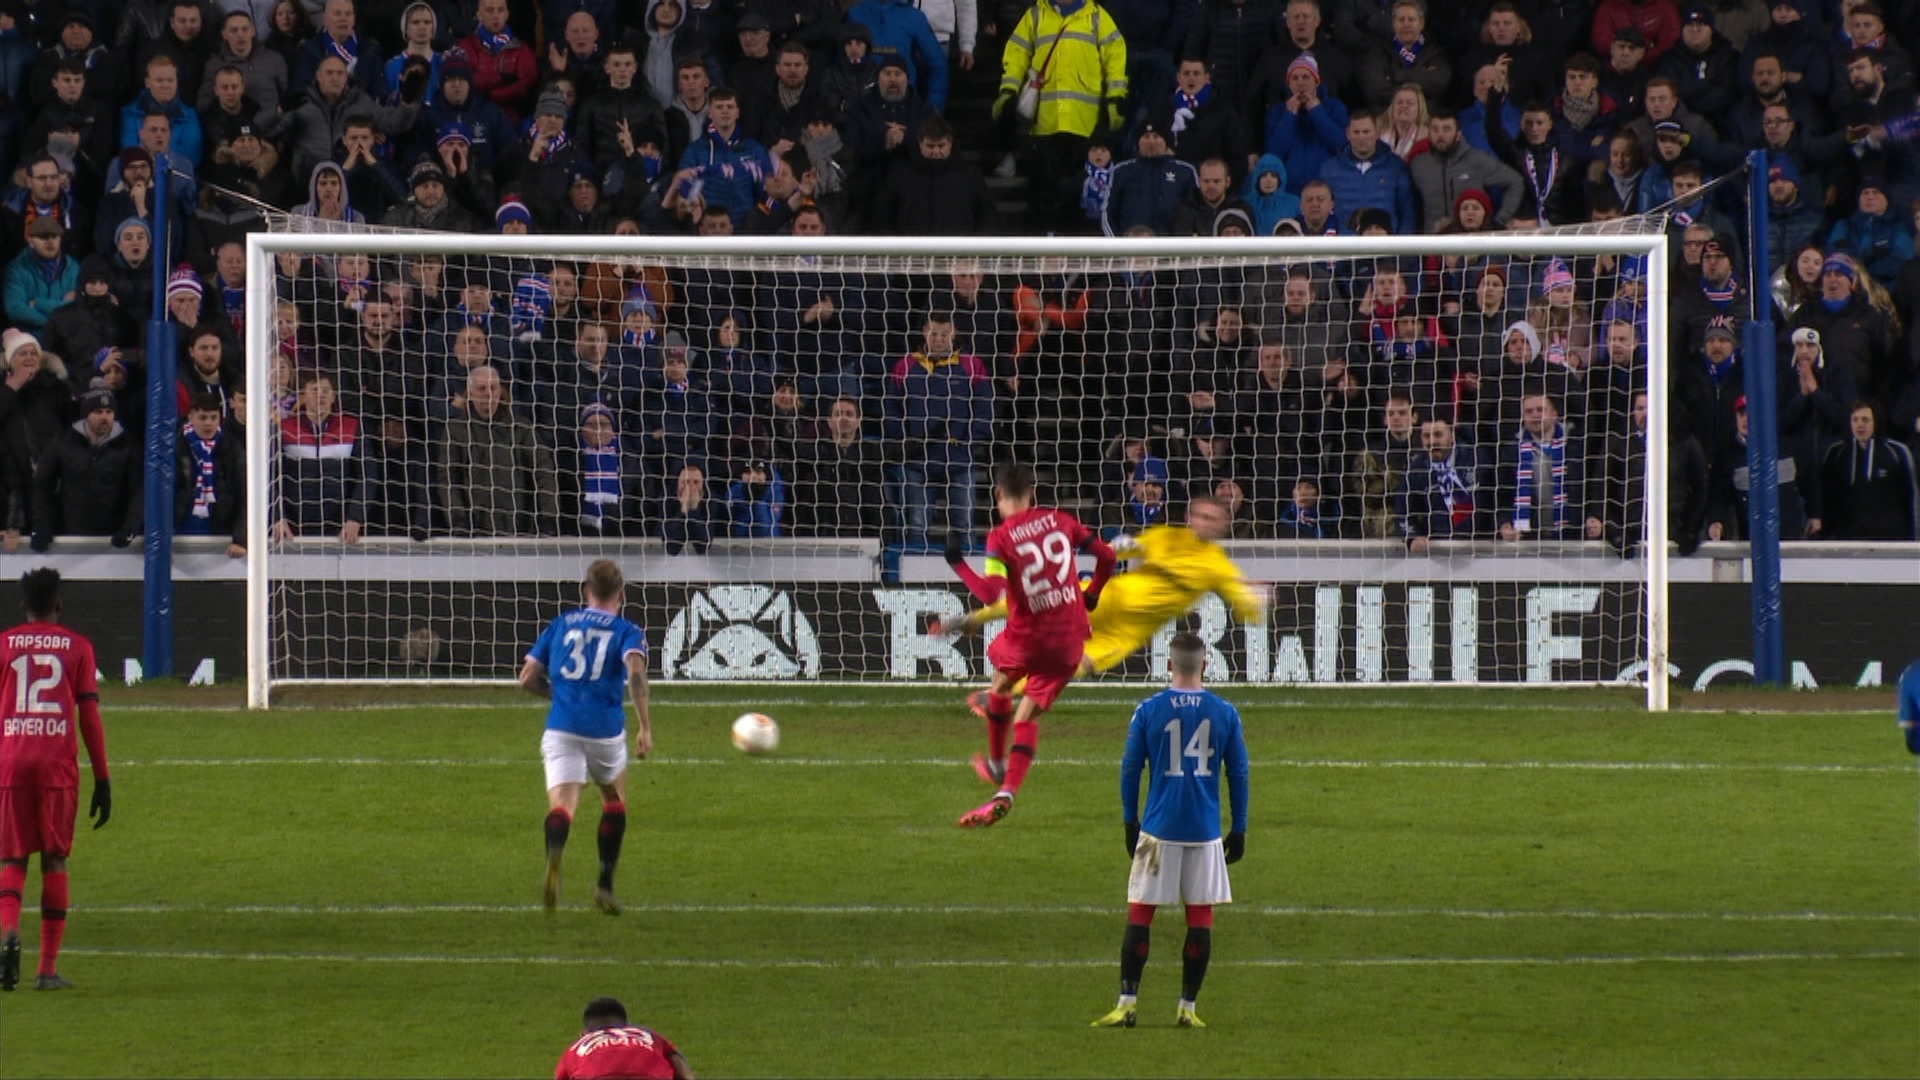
x: 1435, y: 885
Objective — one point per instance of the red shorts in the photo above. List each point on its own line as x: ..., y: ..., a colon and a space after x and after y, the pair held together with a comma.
x: 1048, y: 669
x: 36, y: 819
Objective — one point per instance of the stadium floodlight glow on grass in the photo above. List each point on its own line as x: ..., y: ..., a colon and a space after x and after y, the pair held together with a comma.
x: 460, y: 608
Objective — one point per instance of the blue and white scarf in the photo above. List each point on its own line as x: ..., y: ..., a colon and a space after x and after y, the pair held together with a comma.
x: 348, y: 51
x: 203, y: 469
x: 599, y: 481
x: 532, y: 305
x: 1455, y: 494
x: 1524, y: 495
x: 1409, y: 54
x: 1185, y: 105
x: 492, y: 42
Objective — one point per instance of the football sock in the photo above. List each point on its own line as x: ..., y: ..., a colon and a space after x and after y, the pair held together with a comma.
x: 999, y: 723
x: 13, y: 879
x: 1194, y: 958
x: 558, y: 822
x: 53, y: 919
x: 1133, y: 950
x: 613, y: 829
x: 1026, y: 734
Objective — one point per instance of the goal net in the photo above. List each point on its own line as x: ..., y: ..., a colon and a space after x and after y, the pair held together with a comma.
x: 1440, y: 453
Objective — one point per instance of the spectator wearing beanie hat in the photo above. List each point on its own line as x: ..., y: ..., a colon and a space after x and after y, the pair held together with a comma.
x: 88, y: 480
x: 430, y: 206
x: 1306, y: 127
x: 488, y: 128
x: 1876, y: 234
x: 542, y: 157
x: 513, y: 218
x: 185, y: 296
x: 90, y: 327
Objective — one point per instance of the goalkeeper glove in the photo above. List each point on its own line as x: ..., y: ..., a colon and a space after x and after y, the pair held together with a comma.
x: 955, y: 549
x: 1133, y: 837
x: 1000, y: 103
x: 1236, y: 846
x: 102, y: 806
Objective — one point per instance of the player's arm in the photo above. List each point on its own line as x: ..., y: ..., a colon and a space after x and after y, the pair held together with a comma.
x: 86, y: 696
x: 681, y: 1070
x: 1237, y: 772
x: 533, y: 678
x: 1133, y: 761
x: 1104, y: 560
x: 1248, y: 601
x: 987, y: 588
x: 638, y: 689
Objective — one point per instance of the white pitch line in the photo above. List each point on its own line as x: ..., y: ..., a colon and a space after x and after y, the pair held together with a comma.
x: 1269, y: 910
x: 1072, y: 763
x: 986, y: 963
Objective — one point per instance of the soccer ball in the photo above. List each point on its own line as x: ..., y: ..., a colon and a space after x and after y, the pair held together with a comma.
x: 755, y: 733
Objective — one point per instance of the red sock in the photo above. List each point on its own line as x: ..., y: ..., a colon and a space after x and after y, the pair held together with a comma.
x: 53, y: 919
x: 13, y: 881
x: 1200, y: 916
x: 1026, y: 734
x: 999, y: 723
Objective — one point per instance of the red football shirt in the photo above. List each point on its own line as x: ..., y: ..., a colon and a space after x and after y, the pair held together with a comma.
x: 1037, y: 547
x: 46, y: 671
x: 617, y: 1052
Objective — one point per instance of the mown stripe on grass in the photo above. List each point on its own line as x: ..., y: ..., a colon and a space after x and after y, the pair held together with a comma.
x: 1071, y: 763
x: 1020, y: 910
x: 778, y: 963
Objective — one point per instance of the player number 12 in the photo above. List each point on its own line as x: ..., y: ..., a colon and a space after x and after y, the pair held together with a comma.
x: 28, y: 692
x: 1199, y: 748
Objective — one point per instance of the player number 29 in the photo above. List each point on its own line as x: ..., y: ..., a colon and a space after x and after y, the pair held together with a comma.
x: 29, y: 692
x: 1051, y: 558
x: 1199, y: 748
x: 577, y: 643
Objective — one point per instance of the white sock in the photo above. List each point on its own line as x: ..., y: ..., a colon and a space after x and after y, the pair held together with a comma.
x: 1126, y: 1001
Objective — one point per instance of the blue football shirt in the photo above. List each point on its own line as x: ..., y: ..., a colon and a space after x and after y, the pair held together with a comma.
x: 585, y: 653
x: 1910, y: 705
x: 1189, y: 738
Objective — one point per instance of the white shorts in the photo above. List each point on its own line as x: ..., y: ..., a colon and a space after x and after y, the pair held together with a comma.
x: 1170, y: 873
x: 573, y: 759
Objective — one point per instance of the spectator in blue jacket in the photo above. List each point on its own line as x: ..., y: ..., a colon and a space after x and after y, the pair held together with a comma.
x: 757, y: 502
x: 1267, y: 193
x: 40, y: 278
x: 729, y: 169
x: 1309, y: 127
x: 162, y: 95
x: 939, y: 413
x: 1362, y: 177
x: 1148, y: 189
x: 1874, y: 234
x: 897, y: 27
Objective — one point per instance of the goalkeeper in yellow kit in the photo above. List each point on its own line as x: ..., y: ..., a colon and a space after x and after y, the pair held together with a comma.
x: 1173, y: 566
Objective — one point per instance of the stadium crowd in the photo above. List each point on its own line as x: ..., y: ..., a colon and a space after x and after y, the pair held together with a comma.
x: 1413, y: 399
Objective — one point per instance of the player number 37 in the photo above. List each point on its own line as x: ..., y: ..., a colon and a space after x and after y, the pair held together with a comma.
x: 577, y: 643
x: 1047, y: 564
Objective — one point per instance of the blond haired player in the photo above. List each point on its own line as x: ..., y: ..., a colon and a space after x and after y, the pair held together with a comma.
x: 1173, y: 566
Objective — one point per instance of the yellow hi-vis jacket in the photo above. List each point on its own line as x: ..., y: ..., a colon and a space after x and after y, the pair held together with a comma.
x: 1088, y: 69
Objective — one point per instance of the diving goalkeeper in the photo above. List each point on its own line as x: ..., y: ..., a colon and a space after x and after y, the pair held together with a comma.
x: 1173, y: 567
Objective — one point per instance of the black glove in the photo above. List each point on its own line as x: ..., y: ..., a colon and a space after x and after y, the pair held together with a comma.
x: 954, y: 549
x: 41, y: 542
x: 102, y: 805
x: 1236, y: 846
x: 413, y: 83
x: 1091, y: 599
x: 1133, y: 836
x: 122, y: 539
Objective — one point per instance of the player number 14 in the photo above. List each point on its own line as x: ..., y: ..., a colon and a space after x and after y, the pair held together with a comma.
x: 1199, y: 748
x: 577, y: 643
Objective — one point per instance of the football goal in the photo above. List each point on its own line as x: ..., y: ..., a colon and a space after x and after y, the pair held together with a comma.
x: 1445, y: 456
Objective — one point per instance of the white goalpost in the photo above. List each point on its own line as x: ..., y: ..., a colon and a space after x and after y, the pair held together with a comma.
x: 774, y: 437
